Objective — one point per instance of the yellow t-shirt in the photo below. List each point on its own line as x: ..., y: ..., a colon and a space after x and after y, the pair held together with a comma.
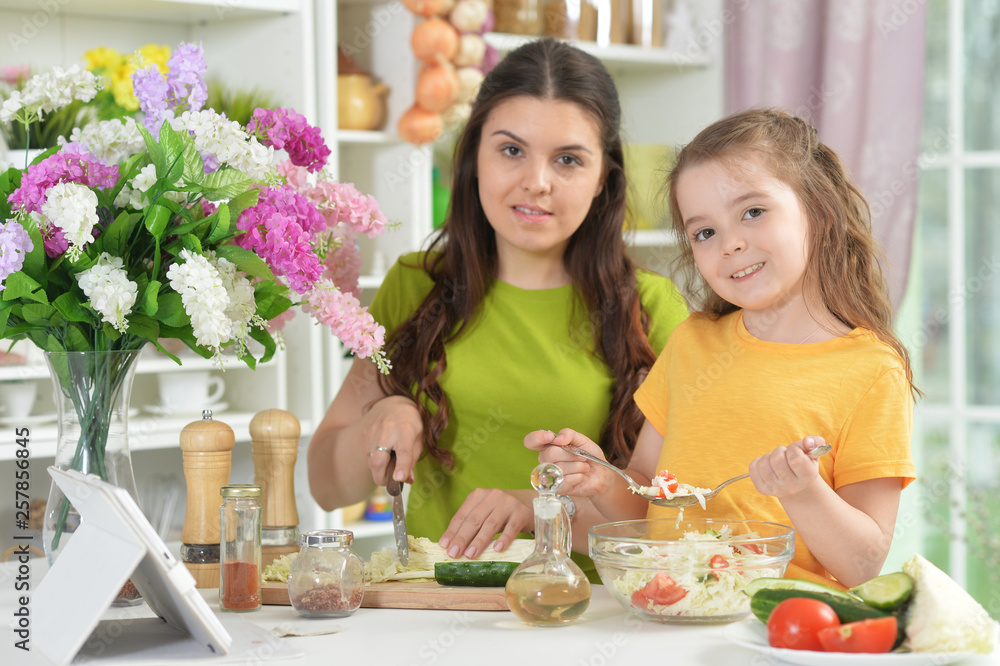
x: 731, y: 397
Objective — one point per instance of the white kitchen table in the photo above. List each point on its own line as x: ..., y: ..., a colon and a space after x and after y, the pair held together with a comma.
x: 605, y: 635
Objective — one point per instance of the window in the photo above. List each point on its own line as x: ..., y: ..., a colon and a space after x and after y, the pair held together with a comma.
x: 951, y: 314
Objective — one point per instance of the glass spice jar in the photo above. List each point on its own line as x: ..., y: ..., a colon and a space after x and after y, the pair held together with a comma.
x: 239, y: 581
x: 327, y: 578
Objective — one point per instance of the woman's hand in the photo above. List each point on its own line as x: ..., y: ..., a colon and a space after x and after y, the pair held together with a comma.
x: 580, y: 477
x: 484, y: 513
x: 786, y: 471
x: 393, y: 424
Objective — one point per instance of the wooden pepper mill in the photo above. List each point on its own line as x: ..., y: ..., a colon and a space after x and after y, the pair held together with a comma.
x: 207, y: 452
x: 274, y: 435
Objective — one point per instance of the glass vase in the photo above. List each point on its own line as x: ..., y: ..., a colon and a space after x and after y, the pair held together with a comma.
x: 92, y: 390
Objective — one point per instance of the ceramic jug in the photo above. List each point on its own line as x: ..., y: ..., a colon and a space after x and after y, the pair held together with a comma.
x: 360, y: 102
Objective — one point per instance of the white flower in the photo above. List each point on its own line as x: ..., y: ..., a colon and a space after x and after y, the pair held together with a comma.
x: 204, y: 298
x: 242, y: 310
x: 110, y: 291
x: 110, y: 141
x: 48, y: 91
x: 224, y: 139
x: 73, y: 208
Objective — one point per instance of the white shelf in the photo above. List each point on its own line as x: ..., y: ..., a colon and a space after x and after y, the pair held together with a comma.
x: 367, y: 137
x: 145, y: 433
x: 612, y: 55
x: 165, y: 11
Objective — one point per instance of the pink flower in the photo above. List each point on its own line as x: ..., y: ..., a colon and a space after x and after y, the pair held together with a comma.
x: 278, y: 323
x: 280, y: 231
x: 285, y: 129
x: 343, y: 265
x: 350, y: 322
x: 63, y: 167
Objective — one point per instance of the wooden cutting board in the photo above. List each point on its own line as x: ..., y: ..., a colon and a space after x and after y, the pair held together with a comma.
x: 401, y: 594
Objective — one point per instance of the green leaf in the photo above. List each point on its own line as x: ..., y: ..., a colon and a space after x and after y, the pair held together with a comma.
x: 115, y: 238
x: 53, y: 344
x: 34, y: 261
x: 4, y: 316
x: 246, y: 261
x: 19, y: 286
x: 76, y: 340
x: 37, y: 314
x: 156, y: 220
x: 171, y: 311
x: 194, y: 166
x: 192, y: 243
x: 220, y: 225
x: 173, y: 155
x: 242, y: 201
x: 70, y: 307
x: 150, y: 301
x: 153, y: 148
x: 225, y: 183
x: 264, y: 338
x: 144, y: 327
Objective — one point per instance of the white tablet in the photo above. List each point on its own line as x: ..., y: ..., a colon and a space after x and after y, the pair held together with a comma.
x: 114, y: 543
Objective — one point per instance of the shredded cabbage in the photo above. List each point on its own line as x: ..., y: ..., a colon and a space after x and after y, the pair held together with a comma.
x: 710, y: 591
x: 385, y: 564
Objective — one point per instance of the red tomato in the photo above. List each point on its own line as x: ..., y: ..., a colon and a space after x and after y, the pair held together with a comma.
x: 718, y: 562
x: 874, y: 635
x: 661, y: 590
x: 795, y: 623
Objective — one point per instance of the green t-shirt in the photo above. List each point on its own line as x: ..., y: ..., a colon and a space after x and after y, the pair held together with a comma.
x: 526, y: 362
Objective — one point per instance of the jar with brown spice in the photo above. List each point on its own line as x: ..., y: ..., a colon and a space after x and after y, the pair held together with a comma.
x: 327, y: 578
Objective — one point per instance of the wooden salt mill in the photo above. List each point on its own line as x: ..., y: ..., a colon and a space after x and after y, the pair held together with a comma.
x: 207, y: 452
x: 274, y: 435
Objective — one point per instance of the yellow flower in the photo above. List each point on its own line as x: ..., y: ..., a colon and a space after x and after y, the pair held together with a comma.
x: 102, y: 58
x: 157, y: 54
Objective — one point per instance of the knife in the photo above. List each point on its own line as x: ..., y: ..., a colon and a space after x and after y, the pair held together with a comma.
x: 395, y: 489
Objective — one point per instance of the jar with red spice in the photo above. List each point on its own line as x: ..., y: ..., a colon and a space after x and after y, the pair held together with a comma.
x: 239, y: 583
x: 327, y: 578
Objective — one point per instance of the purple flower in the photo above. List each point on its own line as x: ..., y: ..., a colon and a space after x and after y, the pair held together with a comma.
x: 280, y: 230
x: 63, y: 167
x: 15, y: 243
x: 182, y: 90
x: 284, y: 129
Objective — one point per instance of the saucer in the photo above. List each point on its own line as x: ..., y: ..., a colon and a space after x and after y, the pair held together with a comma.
x: 178, y: 412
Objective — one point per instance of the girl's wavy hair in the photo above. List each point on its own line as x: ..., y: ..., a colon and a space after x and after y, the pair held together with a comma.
x: 845, y: 258
x: 462, y: 257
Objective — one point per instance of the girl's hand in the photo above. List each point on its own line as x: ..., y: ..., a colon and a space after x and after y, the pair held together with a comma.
x: 393, y: 424
x: 484, y: 513
x: 580, y: 477
x: 786, y: 471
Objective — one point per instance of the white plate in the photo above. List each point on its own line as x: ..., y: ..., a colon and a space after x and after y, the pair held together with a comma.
x: 32, y: 419
x: 174, y: 412
x: 753, y: 634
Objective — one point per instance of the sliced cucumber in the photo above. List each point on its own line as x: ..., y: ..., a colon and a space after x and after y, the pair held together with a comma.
x: 886, y: 592
x: 474, y: 574
x: 794, y: 584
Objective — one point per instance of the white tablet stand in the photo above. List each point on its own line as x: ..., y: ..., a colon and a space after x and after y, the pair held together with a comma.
x: 114, y: 543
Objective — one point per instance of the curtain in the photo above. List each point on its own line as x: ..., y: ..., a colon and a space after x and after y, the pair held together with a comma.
x: 854, y: 69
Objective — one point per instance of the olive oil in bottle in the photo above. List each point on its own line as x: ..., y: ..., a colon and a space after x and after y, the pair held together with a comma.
x: 548, y: 589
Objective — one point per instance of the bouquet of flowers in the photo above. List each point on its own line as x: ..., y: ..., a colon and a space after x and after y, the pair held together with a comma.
x: 45, y: 107
x: 117, y: 100
x: 179, y: 227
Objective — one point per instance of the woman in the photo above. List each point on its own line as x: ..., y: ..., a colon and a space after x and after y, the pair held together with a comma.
x: 525, y: 312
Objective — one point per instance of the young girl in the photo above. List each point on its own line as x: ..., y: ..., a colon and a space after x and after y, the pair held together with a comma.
x: 791, y: 345
x: 526, y: 307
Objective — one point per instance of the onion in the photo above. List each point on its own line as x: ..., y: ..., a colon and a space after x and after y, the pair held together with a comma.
x: 428, y: 8
x: 469, y: 15
x: 471, y: 51
x: 419, y: 126
x: 434, y: 40
x: 437, y: 87
x: 469, y: 79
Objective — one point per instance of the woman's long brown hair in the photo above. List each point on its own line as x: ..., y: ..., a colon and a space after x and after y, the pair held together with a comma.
x: 462, y: 258
x: 844, y: 256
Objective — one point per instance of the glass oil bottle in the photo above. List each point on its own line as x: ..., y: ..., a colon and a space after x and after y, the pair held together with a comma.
x: 548, y: 589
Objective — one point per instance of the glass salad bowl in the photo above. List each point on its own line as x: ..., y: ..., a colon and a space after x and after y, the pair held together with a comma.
x: 688, y: 571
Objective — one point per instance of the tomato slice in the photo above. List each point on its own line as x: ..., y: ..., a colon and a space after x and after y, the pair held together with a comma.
x: 669, y: 481
x: 874, y: 635
x: 795, y: 623
x: 662, y: 590
x: 718, y: 562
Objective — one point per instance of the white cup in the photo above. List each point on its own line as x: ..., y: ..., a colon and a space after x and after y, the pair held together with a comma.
x: 190, y: 391
x: 17, y: 397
